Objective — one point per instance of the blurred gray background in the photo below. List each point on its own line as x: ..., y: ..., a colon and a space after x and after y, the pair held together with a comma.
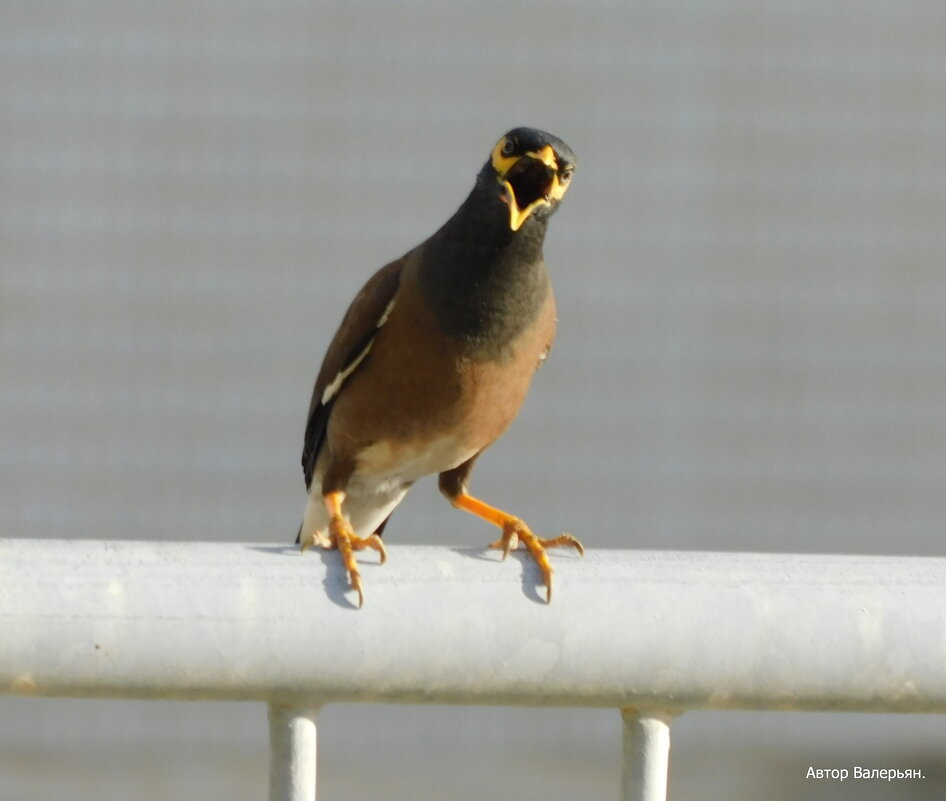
x: 752, y: 347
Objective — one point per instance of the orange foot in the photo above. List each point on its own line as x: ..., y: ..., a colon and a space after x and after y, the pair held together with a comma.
x: 515, y: 531
x: 341, y: 536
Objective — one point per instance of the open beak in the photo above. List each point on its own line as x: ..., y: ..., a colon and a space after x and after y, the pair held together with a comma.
x: 531, y: 182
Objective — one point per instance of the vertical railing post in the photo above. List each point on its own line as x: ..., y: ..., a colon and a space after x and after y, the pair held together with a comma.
x: 646, y: 755
x: 292, y: 748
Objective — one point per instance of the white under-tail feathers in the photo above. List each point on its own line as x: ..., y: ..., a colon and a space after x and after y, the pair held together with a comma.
x: 385, y: 472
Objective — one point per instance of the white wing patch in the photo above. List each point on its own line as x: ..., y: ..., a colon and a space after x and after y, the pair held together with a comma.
x: 387, y: 313
x: 332, y: 389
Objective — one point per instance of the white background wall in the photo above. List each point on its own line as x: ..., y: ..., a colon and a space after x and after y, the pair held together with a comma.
x: 752, y: 347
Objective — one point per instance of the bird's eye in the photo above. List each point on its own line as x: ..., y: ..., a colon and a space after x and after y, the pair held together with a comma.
x: 509, y: 147
x: 567, y: 174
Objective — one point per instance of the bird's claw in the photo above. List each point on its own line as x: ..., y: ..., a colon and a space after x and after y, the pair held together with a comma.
x: 316, y: 538
x: 507, y: 543
x: 374, y: 542
x: 342, y: 537
x: 515, y: 531
x: 562, y: 540
x: 355, y: 579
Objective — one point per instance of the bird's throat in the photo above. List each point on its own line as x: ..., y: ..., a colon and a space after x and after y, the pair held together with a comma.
x: 486, y: 283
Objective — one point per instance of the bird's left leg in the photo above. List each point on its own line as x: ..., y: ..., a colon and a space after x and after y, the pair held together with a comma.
x: 341, y: 536
x: 514, y: 529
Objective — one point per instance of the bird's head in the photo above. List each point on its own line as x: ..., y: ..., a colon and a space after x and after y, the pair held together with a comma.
x: 533, y: 170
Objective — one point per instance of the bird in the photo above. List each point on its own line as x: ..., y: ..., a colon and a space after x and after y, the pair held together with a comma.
x: 433, y: 359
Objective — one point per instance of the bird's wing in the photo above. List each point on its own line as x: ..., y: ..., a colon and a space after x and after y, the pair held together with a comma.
x: 353, y: 340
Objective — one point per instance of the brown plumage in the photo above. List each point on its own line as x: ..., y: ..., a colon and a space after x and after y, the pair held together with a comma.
x: 434, y: 358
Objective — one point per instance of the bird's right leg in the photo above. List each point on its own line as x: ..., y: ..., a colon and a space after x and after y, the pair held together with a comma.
x: 341, y: 536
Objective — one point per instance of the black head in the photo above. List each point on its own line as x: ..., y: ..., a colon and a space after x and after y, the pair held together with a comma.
x: 533, y: 170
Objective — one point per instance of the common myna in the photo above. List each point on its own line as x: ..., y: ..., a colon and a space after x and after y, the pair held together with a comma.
x: 433, y: 360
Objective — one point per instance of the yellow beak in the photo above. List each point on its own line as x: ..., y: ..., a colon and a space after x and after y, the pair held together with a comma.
x: 517, y: 215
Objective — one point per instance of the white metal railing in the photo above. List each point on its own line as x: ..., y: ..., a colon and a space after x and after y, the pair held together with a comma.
x: 649, y: 633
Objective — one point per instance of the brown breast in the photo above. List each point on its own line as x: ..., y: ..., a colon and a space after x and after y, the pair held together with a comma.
x: 420, y: 402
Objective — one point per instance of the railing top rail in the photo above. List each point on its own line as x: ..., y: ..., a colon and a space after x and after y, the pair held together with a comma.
x: 660, y: 630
